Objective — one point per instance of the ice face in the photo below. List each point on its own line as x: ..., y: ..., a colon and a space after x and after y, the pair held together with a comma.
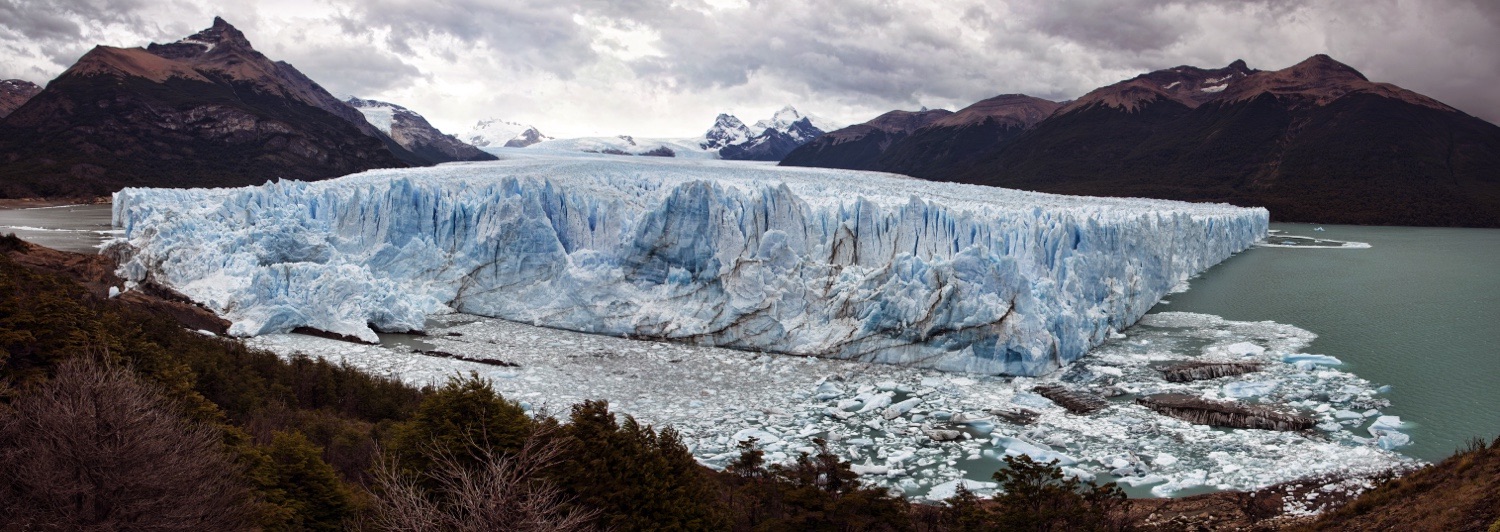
x: 843, y: 264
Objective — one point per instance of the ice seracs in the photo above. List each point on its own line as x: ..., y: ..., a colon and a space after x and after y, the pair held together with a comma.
x: 834, y: 263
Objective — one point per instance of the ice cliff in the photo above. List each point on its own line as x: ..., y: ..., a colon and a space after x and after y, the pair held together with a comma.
x: 833, y: 263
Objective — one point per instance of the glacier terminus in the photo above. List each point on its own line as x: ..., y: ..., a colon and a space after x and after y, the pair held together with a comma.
x: 831, y: 263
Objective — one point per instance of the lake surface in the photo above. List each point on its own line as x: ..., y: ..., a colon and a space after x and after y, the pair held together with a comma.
x: 76, y: 228
x: 1418, y: 310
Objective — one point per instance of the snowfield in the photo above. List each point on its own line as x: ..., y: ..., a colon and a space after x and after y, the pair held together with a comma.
x: 841, y: 264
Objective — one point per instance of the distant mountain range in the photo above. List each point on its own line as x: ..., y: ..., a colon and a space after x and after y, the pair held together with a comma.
x: 207, y: 110
x: 729, y: 138
x: 1315, y: 142
x: 412, y: 132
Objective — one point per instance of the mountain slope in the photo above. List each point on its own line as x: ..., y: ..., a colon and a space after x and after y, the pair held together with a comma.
x: 1315, y: 142
x: 859, y: 147
x: 955, y: 139
x: 14, y: 93
x: 412, y: 132
x: 208, y: 110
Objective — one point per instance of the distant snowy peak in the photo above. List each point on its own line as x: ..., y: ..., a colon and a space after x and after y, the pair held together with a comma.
x: 728, y: 130
x: 771, y: 139
x: 411, y: 131
x: 495, y: 132
x: 787, y: 116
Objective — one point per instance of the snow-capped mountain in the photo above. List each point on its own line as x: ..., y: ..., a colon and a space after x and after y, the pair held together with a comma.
x: 785, y: 118
x: 728, y: 130
x: 771, y: 139
x: 495, y: 133
x: 413, y: 132
x: 688, y: 148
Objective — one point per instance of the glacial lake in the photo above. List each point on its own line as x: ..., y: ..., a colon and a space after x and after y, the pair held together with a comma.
x: 1418, y: 310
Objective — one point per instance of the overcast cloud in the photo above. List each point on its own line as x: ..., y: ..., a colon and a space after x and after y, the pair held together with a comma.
x: 667, y: 67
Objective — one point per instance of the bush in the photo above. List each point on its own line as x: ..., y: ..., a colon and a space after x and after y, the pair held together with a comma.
x: 95, y: 448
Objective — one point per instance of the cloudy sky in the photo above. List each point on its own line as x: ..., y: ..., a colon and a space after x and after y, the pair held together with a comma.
x: 667, y: 67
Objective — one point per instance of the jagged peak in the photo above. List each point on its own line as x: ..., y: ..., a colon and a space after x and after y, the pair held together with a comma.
x: 1322, y: 64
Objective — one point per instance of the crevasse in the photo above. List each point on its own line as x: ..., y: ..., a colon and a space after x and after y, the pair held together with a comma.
x: 844, y: 264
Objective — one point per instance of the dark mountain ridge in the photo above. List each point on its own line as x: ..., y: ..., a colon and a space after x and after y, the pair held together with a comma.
x: 14, y: 93
x: 1315, y: 142
x: 208, y: 110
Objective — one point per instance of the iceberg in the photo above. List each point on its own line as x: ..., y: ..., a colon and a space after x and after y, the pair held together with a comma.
x: 843, y: 264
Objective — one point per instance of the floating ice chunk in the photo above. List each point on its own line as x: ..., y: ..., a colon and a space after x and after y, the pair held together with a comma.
x: 1347, y: 414
x: 1141, y: 481
x: 1386, y: 423
x: 868, y: 469
x: 1018, y: 447
x: 1245, y: 349
x: 948, y: 489
x: 1164, y: 460
x: 1390, y: 440
x: 1080, y: 474
x: 898, y: 409
x: 876, y: 402
x: 1031, y: 400
x: 761, y: 436
x: 1319, y: 360
x: 1244, y: 389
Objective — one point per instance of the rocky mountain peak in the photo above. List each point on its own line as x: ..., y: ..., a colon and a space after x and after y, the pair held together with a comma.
x: 221, y: 37
x: 14, y: 93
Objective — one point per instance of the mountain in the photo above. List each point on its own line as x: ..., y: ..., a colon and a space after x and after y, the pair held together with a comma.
x: 910, y: 143
x: 497, y: 133
x: 769, y: 140
x: 953, y: 140
x: 1314, y: 142
x: 207, y: 110
x: 728, y: 130
x: 788, y: 115
x: 13, y: 93
x: 859, y: 147
x: 413, y: 132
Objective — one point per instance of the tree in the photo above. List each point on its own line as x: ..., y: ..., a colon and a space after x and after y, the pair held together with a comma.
x: 96, y: 449
x: 638, y: 478
x: 1037, y: 496
x: 465, y: 420
x: 301, y: 481
x: 502, y: 492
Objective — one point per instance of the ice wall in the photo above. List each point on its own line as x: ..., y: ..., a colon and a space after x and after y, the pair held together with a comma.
x: 834, y: 263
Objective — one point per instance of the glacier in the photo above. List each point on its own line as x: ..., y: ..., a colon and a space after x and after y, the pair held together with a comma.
x: 833, y: 263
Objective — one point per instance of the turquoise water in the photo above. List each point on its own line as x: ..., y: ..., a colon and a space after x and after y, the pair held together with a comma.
x: 1419, y: 310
